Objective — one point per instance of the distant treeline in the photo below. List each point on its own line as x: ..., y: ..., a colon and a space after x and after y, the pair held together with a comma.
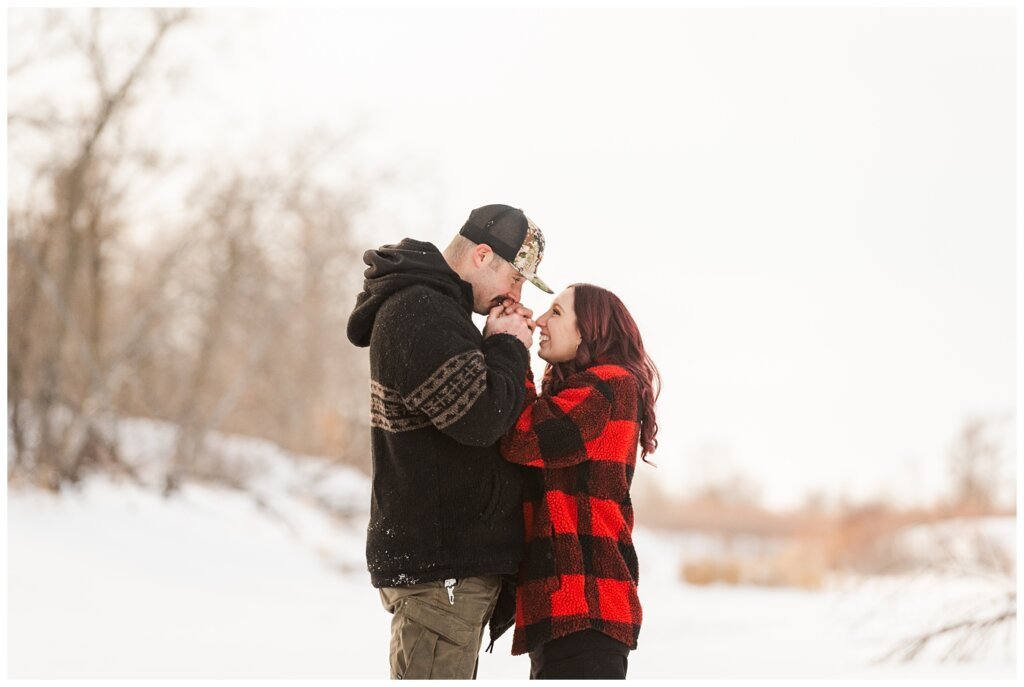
x: 231, y: 319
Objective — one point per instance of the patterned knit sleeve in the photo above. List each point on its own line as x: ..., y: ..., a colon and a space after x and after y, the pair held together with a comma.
x: 563, y: 430
x: 471, y: 393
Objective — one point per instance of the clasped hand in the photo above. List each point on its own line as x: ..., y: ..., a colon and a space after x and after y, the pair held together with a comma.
x: 511, y: 318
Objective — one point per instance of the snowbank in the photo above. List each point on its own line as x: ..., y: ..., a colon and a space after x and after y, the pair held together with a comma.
x: 114, y: 580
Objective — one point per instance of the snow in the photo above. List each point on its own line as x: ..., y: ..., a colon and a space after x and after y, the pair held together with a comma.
x: 113, y: 580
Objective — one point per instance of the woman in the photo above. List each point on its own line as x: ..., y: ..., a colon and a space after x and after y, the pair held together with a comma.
x: 577, y: 609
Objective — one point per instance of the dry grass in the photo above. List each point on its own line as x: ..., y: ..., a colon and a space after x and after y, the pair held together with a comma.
x: 797, y: 564
x: 706, y: 571
x: 801, y: 546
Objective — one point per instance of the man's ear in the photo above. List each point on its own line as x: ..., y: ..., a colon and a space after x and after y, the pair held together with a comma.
x: 482, y: 254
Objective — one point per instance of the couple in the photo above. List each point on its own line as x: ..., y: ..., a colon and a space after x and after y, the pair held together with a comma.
x: 492, y: 504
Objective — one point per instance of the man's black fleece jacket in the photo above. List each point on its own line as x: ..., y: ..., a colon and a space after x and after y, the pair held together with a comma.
x: 444, y: 502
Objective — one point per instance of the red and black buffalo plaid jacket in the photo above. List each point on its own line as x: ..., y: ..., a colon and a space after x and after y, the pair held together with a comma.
x: 580, y: 570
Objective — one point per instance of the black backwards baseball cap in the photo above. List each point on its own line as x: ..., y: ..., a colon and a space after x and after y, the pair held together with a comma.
x: 510, y: 234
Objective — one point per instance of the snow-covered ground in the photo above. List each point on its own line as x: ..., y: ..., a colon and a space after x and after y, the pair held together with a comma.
x: 114, y: 580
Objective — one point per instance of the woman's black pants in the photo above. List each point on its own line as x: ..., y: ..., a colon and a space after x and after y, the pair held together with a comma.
x: 586, y: 655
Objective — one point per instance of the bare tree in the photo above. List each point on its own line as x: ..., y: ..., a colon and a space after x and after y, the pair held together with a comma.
x: 272, y: 294
x: 975, y: 462
x: 233, y: 320
x: 231, y: 257
x: 958, y: 548
x: 57, y: 303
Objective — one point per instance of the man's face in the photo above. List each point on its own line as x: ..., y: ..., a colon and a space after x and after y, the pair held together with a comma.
x: 496, y: 281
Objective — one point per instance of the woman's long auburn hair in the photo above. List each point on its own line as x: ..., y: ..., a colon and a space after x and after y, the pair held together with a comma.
x: 610, y: 336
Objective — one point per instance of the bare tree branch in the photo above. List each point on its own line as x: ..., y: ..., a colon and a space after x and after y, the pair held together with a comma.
x: 969, y: 628
x: 94, y: 52
x: 112, y: 102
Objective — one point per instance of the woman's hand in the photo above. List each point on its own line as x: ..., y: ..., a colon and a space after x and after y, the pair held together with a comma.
x: 510, y: 307
x: 501, y: 322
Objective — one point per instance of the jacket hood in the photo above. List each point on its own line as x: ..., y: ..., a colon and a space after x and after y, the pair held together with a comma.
x: 396, y: 267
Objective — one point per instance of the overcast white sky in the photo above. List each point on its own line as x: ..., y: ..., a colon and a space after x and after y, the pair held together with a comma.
x: 810, y: 212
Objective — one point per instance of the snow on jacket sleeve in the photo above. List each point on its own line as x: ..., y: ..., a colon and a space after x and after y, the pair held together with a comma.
x: 571, y: 426
x: 469, y: 393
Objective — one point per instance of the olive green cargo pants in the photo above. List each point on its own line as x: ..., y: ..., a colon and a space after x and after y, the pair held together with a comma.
x: 437, y: 628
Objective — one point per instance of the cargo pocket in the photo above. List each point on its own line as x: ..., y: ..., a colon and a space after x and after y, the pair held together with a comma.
x: 427, y: 625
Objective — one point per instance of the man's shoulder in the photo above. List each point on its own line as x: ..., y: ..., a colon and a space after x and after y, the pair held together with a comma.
x: 418, y: 298
x: 416, y: 306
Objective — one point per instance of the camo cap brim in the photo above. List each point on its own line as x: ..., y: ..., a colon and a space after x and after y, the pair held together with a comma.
x: 530, y: 254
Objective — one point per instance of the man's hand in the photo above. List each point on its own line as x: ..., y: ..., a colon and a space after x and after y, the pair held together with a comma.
x: 510, y: 307
x: 501, y: 321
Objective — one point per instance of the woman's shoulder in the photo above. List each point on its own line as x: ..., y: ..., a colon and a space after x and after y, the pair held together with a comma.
x: 609, y: 371
x: 604, y: 375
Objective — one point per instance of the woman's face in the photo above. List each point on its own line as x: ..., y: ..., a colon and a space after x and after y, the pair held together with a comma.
x: 559, y: 337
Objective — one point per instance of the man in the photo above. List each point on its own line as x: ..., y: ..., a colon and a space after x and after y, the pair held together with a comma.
x: 446, y: 529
